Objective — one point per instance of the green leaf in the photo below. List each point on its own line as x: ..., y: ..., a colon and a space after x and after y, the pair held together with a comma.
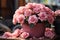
x: 31, y: 25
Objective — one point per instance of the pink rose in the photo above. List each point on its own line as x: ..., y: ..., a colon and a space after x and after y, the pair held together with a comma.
x: 41, y: 6
x: 23, y: 8
x: 42, y: 16
x: 29, y: 5
x: 47, y: 9
x: 14, y: 21
x: 48, y: 29
x: 18, y: 11
x: 24, y: 35
x: 27, y: 12
x: 16, y: 33
x: 49, y: 33
x: 50, y: 19
x: 38, y: 8
x: 15, y: 16
x: 21, y: 18
x: 57, y: 12
x: 51, y: 13
x: 33, y: 19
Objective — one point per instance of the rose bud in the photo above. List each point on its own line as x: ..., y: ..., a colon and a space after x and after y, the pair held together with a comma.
x: 24, y: 35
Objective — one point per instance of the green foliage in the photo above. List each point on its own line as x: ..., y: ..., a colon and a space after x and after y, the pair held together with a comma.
x: 31, y: 25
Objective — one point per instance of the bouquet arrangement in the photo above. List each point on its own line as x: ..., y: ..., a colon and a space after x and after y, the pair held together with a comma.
x: 32, y: 14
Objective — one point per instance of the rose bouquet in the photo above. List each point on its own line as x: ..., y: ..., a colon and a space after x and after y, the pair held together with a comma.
x: 32, y: 13
x: 35, y: 16
x: 32, y: 17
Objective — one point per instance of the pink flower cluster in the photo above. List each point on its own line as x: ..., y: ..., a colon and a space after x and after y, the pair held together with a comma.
x: 17, y: 33
x: 32, y: 12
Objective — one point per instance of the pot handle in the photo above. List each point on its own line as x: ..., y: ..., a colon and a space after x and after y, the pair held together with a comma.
x: 4, y: 28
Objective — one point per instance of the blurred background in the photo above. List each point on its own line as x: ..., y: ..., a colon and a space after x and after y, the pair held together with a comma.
x: 8, y: 7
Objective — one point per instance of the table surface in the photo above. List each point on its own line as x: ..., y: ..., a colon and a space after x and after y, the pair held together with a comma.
x: 22, y: 39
